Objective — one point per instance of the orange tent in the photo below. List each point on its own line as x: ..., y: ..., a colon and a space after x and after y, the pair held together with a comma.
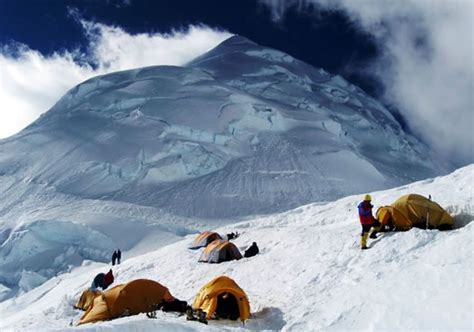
x: 203, y: 239
x: 391, y: 216
x: 127, y: 299
x: 220, y: 251
x: 414, y: 211
x: 87, y: 298
x: 222, y: 296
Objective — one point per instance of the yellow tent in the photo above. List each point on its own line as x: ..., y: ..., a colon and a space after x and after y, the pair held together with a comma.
x: 390, y: 216
x: 127, y: 299
x: 223, y: 297
x: 203, y: 239
x: 87, y: 298
x: 220, y: 251
x: 414, y: 211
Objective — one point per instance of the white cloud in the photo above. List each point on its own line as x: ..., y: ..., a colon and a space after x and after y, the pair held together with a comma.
x: 31, y: 83
x: 426, y: 63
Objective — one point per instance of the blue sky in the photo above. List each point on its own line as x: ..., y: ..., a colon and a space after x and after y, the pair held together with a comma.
x: 329, y: 41
x: 414, y: 55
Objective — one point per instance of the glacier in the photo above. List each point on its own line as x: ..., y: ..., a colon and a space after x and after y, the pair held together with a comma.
x: 251, y: 129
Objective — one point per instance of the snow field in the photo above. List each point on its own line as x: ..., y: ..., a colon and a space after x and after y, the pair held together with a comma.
x: 310, y: 274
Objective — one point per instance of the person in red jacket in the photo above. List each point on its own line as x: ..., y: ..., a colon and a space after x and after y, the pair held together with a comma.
x: 102, y: 280
x: 367, y: 221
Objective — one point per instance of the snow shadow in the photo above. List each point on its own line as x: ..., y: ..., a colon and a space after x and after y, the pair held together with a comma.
x: 462, y: 215
x: 380, y: 236
x: 269, y: 318
x: 463, y: 219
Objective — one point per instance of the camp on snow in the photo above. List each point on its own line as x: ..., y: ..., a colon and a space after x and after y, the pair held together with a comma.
x: 203, y: 239
x: 223, y: 298
x: 414, y: 211
x: 132, y: 298
x: 220, y: 251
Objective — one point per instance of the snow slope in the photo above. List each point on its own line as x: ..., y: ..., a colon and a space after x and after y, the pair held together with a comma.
x: 310, y: 274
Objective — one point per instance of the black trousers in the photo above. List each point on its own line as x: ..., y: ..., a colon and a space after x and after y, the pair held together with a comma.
x: 366, y: 228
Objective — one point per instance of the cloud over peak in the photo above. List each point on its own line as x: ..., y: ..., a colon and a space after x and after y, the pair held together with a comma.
x: 30, y: 83
x: 426, y: 62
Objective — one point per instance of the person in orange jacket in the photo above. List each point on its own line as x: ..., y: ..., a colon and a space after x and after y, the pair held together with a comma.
x: 367, y: 221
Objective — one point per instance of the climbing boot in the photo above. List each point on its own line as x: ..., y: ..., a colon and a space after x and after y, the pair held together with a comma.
x: 201, y: 316
x: 375, y: 230
x: 189, y: 314
x: 363, y: 240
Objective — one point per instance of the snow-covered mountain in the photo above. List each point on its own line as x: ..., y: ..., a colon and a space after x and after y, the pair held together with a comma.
x: 241, y: 130
x: 309, y: 276
x: 158, y: 153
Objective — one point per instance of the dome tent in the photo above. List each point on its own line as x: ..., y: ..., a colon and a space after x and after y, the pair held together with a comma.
x: 203, y: 239
x: 222, y: 296
x: 414, y: 211
x: 390, y: 216
x: 220, y: 251
x: 127, y: 299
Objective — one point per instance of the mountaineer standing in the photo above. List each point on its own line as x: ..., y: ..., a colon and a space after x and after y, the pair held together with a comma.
x: 114, y: 257
x: 119, y: 256
x: 367, y: 221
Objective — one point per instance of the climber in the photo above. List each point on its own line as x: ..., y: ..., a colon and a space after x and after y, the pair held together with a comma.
x: 232, y: 236
x: 114, y: 257
x: 252, y: 250
x: 102, y: 280
x: 119, y: 256
x: 367, y: 221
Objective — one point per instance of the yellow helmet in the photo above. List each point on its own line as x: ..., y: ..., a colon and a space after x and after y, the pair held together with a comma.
x: 367, y: 198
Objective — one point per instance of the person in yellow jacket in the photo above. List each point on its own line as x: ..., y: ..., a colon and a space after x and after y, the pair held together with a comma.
x: 367, y: 221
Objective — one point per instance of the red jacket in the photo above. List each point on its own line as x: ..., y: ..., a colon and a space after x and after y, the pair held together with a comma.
x: 365, y: 213
x: 108, y: 278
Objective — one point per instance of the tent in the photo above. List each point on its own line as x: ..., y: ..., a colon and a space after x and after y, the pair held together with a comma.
x: 86, y: 299
x: 414, y: 211
x: 127, y: 299
x: 220, y: 251
x: 203, y: 239
x: 390, y: 216
x: 223, y: 297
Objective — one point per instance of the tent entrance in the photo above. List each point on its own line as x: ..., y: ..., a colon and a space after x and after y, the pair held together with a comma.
x: 227, y: 255
x: 227, y: 307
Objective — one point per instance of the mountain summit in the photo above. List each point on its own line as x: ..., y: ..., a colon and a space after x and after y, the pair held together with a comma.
x: 241, y: 130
